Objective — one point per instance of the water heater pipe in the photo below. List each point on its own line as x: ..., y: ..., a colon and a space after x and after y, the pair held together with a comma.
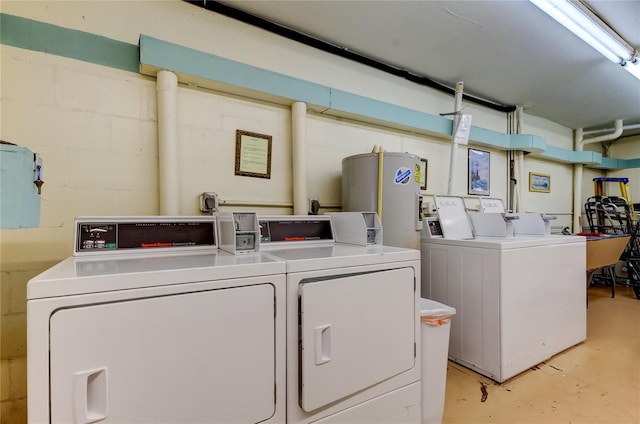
x: 579, y: 144
x: 299, y: 152
x: 168, y: 189
x: 454, y: 128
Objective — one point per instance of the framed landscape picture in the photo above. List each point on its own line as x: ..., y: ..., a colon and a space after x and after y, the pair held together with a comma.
x: 539, y: 182
x: 479, y: 170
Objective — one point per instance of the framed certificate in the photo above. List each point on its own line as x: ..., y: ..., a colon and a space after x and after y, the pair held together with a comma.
x: 253, y: 154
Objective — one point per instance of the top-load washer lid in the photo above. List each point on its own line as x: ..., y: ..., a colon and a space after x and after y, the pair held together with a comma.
x: 489, y: 205
x: 454, y: 221
x: 530, y: 224
x: 492, y: 224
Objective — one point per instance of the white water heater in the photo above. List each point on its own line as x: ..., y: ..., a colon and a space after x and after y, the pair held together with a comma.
x: 387, y: 183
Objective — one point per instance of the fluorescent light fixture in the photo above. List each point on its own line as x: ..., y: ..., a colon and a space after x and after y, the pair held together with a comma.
x: 592, y: 31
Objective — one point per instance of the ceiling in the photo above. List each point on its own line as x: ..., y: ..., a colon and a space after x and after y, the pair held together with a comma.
x: 508, y: 52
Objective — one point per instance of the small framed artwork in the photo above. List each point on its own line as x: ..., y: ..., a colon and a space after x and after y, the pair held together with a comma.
x: 539, y: 182
x: 253, y: 154
x: 479, y: 170
x: 423, y: 168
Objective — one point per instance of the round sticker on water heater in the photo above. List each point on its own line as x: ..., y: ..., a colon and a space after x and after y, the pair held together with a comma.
x: 403, y: 175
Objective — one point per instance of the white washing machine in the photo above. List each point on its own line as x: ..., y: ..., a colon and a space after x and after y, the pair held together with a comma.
x: 522, y: 224
x: 518, y: 300
x: 353, y: 314
x: 149, y: 322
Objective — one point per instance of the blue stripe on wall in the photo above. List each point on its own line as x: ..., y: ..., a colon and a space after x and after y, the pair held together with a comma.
x: 37, y: 36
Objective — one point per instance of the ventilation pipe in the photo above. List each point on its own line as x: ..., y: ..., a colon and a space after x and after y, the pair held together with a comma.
x: 579, y: 143
x: 299, y: 152
x: 167, y: 87
x: 454, y: 128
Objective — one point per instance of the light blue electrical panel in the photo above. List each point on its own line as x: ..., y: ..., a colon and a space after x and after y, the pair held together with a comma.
x: 20, y: 187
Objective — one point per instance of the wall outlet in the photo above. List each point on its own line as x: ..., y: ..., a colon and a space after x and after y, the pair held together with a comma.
x: 209, y: 202
x: 314, y: 206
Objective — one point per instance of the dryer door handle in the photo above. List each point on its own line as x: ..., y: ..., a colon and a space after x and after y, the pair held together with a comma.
x: 323, y: 344
x: 90, y: 395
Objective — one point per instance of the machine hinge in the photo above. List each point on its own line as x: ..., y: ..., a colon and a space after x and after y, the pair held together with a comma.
x: 275, y: 307
x: 414, y: 283
x: 275, y: 394
x: 415, y: 350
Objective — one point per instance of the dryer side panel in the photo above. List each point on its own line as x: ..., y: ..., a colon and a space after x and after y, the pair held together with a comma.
x: 206, y: 356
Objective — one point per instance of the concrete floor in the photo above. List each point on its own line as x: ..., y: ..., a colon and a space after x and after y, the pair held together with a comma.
x: 597, y: 381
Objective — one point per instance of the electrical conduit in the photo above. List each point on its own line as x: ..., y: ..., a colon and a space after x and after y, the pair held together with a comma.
x: 454, y: 128
x: 299, y: 152
x: 167, y: 88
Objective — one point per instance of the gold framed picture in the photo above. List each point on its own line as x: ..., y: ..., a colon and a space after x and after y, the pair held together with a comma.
x: 539, y: 182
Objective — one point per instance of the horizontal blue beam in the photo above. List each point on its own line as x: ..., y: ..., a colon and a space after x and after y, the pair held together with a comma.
x: 349, y: 103
x: 153, y: 54
x: 183, y: 60
x: 157, y: 54
x: 52, y: 39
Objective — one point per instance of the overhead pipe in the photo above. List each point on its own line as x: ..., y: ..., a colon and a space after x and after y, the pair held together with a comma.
x: 299, y: 153
x: 624, y: 128
x: 579, y: 143
x: 454, y: 144
x: 247, y: 18
x: 168, y: 188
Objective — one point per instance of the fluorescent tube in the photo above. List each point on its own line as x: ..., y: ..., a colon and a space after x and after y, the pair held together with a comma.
x: 572, y: 18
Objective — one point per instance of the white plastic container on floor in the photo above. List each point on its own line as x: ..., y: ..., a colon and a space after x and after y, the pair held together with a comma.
x: 435, y: 326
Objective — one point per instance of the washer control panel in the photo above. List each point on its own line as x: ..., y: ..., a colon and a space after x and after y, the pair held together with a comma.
x: 431, y: 228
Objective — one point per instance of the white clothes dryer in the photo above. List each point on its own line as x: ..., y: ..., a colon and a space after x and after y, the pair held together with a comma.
x: 353, y: 334
x: 149, y: 322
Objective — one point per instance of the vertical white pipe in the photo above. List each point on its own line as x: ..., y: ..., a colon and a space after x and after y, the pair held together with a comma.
x: 519, y: 171
x: 167, y: 87
x: 579, y: 143
x: 576, y: 224
x: 454, y: 144
x: 299, y: 152
x: 522, y: 181
x: 380, y: 181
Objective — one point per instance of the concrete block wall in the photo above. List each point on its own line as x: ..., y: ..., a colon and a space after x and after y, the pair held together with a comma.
x: 95, y: 127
